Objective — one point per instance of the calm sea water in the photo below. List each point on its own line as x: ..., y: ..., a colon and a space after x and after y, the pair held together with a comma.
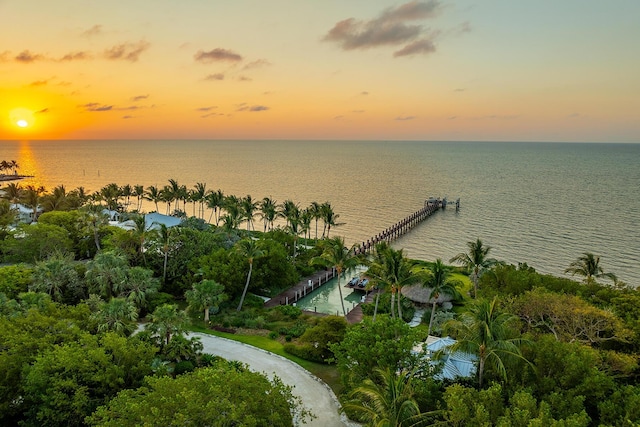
x: 543, y: 204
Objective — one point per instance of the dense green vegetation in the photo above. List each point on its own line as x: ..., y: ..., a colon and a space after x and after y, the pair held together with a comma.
x: 549, y: 351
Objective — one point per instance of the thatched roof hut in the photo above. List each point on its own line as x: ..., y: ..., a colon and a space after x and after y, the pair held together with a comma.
x: 422, y: 295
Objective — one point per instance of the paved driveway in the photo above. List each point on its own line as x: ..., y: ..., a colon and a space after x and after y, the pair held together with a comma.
x: 315, y: 394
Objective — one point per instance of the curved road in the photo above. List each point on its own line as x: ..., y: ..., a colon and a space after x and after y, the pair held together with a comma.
x: 316, y: 396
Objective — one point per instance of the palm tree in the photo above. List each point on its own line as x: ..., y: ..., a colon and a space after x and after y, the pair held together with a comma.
x: 316, y: 211
x: 111, y: 193
x: 475, y: 260
x: 330, y: 218
x: 139, y: 286
x: 55, y: 276
x: 12, y: 192
x: 153, y: 194
x: 268, y: 212
x: 204, y: 295
x: 140, y: 233
x: 14, y: 166
x: 588, y: 266
x: 335, y: 254
x: 92, y: 219
x: 126, y: 191
x: 305, y: 222
x: 214, y: 201
x: 288, y: 209
x: 8, y: 216
x: 138, y: 192
x: 391, y: 270
x: 31, y: 198
x: 167, y: 321
x: 440, y: 283
x: 198, y: 195
x: 248, y: 209
x: 487, y: 333
x: 175, y: 190
x: 250, y: 249
x: 167, y: 196
x: 388, y: 401
x: 57, y: 200
x: 117, y: 315
x: 164, y: 234
x: 106, y: 274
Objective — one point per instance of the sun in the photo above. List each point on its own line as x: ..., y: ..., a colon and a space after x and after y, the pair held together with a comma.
x: 22, y: 117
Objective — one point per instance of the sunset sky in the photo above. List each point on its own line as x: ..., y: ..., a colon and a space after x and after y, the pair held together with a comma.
x: 545, y: 70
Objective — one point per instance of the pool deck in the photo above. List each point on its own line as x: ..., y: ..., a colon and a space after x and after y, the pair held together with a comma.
x: 290, y: 295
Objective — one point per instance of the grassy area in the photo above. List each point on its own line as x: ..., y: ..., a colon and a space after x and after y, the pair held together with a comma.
x: 327, y: 373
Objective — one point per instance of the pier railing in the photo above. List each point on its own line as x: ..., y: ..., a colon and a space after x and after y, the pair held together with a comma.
x: 406, y: 224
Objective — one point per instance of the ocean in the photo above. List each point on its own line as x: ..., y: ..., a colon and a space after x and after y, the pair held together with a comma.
x: 540, y: 203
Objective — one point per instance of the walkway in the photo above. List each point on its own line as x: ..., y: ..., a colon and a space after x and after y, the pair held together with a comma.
x: 301, y: 289
x: 316, y: 396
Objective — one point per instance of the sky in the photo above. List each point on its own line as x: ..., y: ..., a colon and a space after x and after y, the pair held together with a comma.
x: 462, y: 70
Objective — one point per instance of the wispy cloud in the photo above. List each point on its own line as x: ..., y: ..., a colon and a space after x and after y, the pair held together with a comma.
x: 27, y: 57
x: 93, y: 31
x: 39, y: 83
x: 405, y: 118
x: 43, y: 111
x: 76, y: 56
x: 139, y: 98
x: 259, y: 63
x: 96, y: 107
x: 216, y: 55
x: 126, y: 51
x: 417, y: 47
x: 205, y: 109
x: 393, y: 27
x: 216, y: 76
x: 252, y: 108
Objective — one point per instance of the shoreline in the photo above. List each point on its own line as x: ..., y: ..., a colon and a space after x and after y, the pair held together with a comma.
x: 14, y: 177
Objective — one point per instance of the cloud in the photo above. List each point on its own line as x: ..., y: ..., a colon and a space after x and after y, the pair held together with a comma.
x: 76, y: 56
x: 95, y: 107
x: 126, y: 51
x: 391, y: 28
x: 39, y: 83
x: 245, y: 79
x: 252, y: 108
x: 139, y: 98
x: 205, y: 109
x: 128, y: 117
x: 93, y: 31
x: 4, y: 56
x: 216, y: 76
x: 27, y: 57
x: 43, y: 111
x: 217, y: 54
x: 405, y: 118
x: 259, y: 63
x: 416, y: 47
x: 204, y: 116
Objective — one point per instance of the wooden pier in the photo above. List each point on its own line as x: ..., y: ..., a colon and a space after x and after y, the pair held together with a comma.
x: 403, y: 226
x: 309, y: 284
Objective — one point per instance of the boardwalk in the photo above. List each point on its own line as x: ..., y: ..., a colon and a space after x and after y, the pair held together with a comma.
x: 356, y: 314
x: 301, y: 289
x: 308, y: 284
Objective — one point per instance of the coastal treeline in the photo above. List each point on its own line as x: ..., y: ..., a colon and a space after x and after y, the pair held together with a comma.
x: 74, y: 288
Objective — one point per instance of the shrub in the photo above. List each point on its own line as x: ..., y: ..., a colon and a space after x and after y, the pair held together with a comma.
x: 183, y: 367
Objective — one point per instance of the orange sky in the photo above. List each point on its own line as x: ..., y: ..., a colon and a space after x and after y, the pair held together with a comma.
x: 420, y: 70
